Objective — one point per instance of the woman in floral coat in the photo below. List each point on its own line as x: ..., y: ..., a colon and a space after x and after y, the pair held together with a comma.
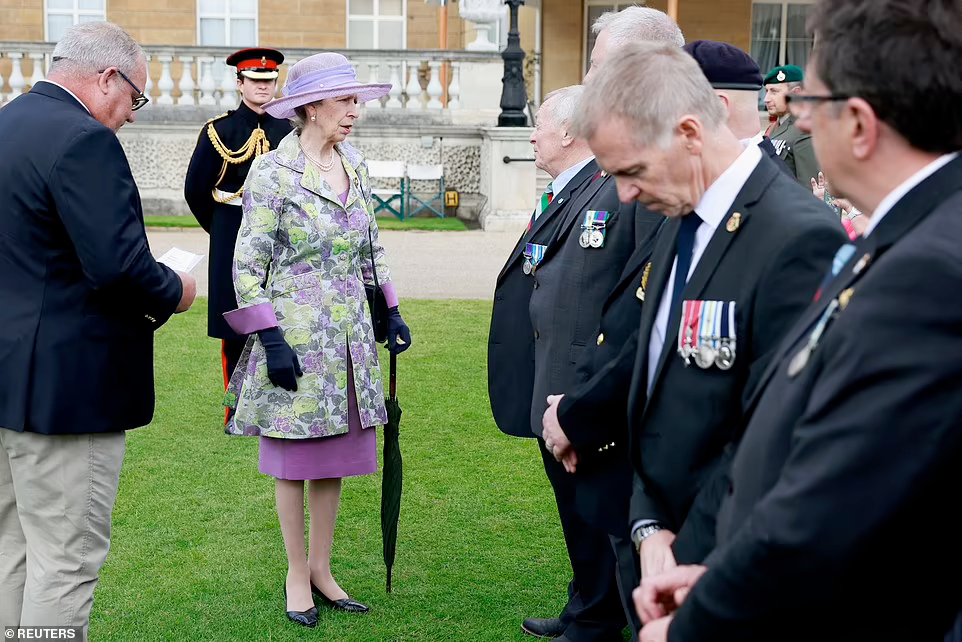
x: 308, y: 382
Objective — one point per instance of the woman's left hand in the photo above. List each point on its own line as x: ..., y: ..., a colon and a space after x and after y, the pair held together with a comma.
x: 398, y: 333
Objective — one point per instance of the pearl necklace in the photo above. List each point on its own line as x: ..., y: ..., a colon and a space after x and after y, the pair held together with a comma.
x: 325, y: 167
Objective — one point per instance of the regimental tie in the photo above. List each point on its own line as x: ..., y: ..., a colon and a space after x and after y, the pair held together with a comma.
x: 543, y: 204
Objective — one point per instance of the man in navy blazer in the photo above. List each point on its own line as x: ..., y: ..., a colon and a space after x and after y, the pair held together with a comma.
x: 80, y: 299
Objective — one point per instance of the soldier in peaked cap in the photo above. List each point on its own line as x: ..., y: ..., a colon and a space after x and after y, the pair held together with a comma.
x: 226, y: 147
x: 736, y: 79
x: 793, y: 145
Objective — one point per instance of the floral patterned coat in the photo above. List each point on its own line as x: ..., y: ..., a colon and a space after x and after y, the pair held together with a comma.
x: 306, y: 255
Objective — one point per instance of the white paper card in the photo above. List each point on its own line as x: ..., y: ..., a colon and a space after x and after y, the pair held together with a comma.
x: 180, y: 260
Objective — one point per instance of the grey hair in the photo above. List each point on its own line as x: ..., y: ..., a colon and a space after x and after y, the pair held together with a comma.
x: 566, y: 101
x: 299, y: 120
x: 638, y: 23
x: 91, y: 47
x: 650, y: 85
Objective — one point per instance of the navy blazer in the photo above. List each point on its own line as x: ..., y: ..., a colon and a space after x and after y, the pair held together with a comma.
x: 80, y: 293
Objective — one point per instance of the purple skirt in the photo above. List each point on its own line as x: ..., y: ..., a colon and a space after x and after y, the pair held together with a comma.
x: 351, y: 454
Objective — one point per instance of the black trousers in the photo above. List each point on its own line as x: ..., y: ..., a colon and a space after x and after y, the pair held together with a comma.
x: 594, y: 612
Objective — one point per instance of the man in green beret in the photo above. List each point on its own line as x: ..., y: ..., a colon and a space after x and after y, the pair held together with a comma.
x: 793, y: 145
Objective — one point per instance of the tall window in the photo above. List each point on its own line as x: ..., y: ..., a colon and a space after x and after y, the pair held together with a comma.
x: 63, y: 14
x: 227, y: 23
x: 593, y: 11
x: 376, y: 24
x: 778, y: 33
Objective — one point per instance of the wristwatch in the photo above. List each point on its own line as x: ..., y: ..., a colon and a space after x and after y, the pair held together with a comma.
x: 643, y: 532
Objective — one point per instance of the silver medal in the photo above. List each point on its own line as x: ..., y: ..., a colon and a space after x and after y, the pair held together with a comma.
x: 526, y: 267
x: 597, y: 239
x: 585, y: 239
x: 799, y: 361
x: 704, y: 356
x: 725, y: 358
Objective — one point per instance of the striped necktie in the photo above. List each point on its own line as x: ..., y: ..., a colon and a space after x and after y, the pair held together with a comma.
x: 543, y: 204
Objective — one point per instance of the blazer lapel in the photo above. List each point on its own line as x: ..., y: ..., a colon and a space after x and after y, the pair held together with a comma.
x: 922, y: 200
x: 661, y: 263
x: 553, y: 208
x: 588, y: 190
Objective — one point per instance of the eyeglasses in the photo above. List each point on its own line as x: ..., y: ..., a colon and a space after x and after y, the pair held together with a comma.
x: 141, y: 99
x: 797, y: 102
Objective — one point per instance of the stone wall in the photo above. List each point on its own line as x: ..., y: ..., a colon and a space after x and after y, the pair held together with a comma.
x: 160, y: 151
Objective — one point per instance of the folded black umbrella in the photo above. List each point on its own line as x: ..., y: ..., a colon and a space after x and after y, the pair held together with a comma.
x: 391, y: 481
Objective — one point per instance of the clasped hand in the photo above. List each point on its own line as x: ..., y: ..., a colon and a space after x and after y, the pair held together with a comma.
x: 554, y: 437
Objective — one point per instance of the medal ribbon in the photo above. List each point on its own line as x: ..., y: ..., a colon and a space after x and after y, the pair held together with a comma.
x: 534, y: 253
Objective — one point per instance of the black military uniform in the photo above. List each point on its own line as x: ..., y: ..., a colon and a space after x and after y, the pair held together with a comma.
x: 226, y: 147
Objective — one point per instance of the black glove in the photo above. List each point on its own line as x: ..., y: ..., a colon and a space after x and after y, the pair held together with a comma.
x: 283, y: 368
x: 398, y: 333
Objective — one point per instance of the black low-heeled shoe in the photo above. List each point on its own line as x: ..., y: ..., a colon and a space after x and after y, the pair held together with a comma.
x: 346, y: 604
x: 306, y: 618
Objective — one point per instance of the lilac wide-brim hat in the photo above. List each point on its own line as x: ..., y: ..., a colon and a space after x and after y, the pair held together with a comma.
x: 323, y: 75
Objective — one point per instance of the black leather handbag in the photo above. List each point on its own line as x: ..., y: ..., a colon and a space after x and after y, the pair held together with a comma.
x: 376, y: 299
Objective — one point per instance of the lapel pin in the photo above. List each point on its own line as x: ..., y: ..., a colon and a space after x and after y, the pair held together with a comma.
x: 844, y: 298
x: 640, y: 292
x: 734, y: 222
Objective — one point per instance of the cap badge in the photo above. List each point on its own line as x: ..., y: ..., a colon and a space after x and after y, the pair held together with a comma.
x: 780, y: 77
x: 264, y: 60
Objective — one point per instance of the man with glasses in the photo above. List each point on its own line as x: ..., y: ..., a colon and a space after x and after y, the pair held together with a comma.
x: 226, y: 148
x: 793, y: 145
x: 80, y: 299
x: 840, y: 519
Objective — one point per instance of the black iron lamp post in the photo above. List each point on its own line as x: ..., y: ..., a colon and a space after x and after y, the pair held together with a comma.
x: 513, y: 95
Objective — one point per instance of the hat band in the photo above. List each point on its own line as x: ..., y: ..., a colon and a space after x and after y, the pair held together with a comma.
x: 332, y: 78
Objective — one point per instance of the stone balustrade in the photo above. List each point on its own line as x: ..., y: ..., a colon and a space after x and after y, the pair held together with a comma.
x: 191, y: 77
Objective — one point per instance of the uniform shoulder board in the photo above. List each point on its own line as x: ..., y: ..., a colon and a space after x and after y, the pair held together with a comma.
x: 224, y: 115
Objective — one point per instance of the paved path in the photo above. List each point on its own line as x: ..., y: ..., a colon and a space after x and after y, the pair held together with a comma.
x: 424, y: 265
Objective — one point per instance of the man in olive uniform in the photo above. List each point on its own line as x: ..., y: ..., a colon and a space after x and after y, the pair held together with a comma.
x: 793, y: 146
x: 226, y: 147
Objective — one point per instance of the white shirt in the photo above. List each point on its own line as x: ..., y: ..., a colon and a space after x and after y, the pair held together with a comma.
x: 561, y: 180
x: 754, y: 140
x: 714, y: 205
x: 899, y: 192
x: 66, y: 90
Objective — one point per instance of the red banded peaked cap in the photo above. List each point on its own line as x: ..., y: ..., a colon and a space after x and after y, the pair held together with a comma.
x: 258, y: 63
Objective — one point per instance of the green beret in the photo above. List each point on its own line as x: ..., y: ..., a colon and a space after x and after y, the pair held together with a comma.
x: 787, y: 73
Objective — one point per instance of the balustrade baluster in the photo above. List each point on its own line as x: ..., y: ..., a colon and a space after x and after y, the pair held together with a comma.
x: 186, y: 84
x: 37, y: 74
x: 207, y: 84
x: 413, y: 88
x: 454, y: 89
x: 16, y: 80
x: 434, y: 86
x: 394, y: 96
x: 166, y: 82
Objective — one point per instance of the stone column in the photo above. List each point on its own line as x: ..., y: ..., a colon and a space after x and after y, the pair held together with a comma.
x: 509, y: 187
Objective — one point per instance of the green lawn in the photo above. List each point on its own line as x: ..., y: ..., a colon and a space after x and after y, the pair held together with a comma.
x: 197, y: 552
x: 384, y: 223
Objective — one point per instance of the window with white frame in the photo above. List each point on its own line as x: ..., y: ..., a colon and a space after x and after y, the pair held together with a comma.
x: 227, y: 23
x: 376, y: 24
x: 63, y: 14
x: 779, y: 36
x: 593, y: 11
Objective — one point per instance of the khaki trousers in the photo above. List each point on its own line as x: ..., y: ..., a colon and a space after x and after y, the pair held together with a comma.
x: 57, y: 493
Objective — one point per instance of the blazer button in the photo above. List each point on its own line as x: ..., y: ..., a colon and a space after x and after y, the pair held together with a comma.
x: 535, y: 285
x: 731, y: 488
x: 536, y: 335
x: 601, y: 338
